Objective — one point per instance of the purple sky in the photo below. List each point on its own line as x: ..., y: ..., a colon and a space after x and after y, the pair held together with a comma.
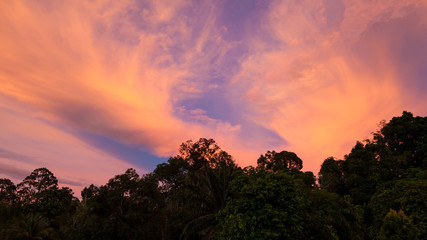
x: 91, y: 88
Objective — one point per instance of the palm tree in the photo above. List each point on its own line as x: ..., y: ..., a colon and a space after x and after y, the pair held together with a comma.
x: 207, y: 190
x: 33, y: 227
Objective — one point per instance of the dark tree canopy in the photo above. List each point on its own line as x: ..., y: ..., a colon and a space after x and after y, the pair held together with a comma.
x: 39, y: 180
x: 282, y: 161
x: 267, y: 207
x: 35, y: 186
x: 405, y: 136
x: 198, y: 183
x: 331, y: 176
x: 7, y: 191
x: 397, y: 226
x: 386, y: 176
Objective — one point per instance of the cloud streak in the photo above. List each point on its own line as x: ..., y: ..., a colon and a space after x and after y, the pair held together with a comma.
x: 312, y: 87
x: 297, y: 75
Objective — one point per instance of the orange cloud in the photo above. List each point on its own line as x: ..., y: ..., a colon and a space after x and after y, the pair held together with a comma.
x: 311, y: 88
x: 122, y: 69
x: 38, y: 144
x: 108, y: 68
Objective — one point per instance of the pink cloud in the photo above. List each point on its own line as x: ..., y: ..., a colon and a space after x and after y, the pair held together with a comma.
x: 93, y: 67
x: 37, y: 144
x: 121, y: 69
x: 311, y: 88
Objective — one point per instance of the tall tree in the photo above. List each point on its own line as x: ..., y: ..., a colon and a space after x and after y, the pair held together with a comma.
x: 362, y: 172
x: 198, y: 184
x: 41, y: 179
x: 267, y: 206
x: 127, y: 207
x: 331, y: 176
x: 409, y: 195
x: 39, y: 194
x: 406, y: 136
x: 397, y: 226
x: 284, y: 160
x: 7, y: 191
x: 330, y: 216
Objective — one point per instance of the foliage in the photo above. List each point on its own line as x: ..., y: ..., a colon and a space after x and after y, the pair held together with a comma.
x: 7, y: 191
x: 266, y: 207
x: 126, y: 207
x: 387, y: 172
x: 408, y: 195
x: 197, y: 184
x: 397, y: 226
x: 329, y: 216
x: 284, y: 161
x: 31, y: 189
x: 331, y: 176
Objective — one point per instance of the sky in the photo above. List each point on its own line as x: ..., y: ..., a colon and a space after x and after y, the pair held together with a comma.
x: 89, y: 89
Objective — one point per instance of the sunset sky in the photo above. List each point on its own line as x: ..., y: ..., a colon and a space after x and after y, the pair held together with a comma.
x: 91, y: 88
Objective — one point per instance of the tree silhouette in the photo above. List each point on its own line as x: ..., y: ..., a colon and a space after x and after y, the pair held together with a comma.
x: 7, y: 191
x: 284, y: 160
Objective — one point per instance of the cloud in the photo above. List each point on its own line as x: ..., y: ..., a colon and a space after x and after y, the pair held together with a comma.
x: 310, y: 77
x: 311, y: 87
x: 77, y: 70
x: 72, y: 183
x: 12, y: 171
x: 118, y: 70
x: 47, y: 146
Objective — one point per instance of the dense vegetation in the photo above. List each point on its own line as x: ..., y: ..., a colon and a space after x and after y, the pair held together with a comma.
x: 378, y: 191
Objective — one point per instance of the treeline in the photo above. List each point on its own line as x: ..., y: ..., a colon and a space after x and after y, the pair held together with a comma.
x: 378, y: 191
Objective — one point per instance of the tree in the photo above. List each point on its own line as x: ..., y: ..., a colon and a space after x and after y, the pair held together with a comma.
x: 397, y: 226
x: 7, y: 191
x: 33, y: 226
x: 372, y: 171
x: 330, y: 216
x: 267, y: 206
x: 331, y: 176
x: 89, y: 192
x: 197, y: 186
x: 406, y: 136
x: 408, y: 195
x: 307, y: 178
x: 172, y: 173
x: 284, y: 160
x: 207, y: 191
x: 41, y: 179
x: 47, y: 206
x: 362, y: 172
x: 127, y: 207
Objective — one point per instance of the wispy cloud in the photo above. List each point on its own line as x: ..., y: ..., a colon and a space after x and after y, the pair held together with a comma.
x: 12, y: 172
x: 311, y: 77
x: 45, y: 145
x: 306, y: 81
